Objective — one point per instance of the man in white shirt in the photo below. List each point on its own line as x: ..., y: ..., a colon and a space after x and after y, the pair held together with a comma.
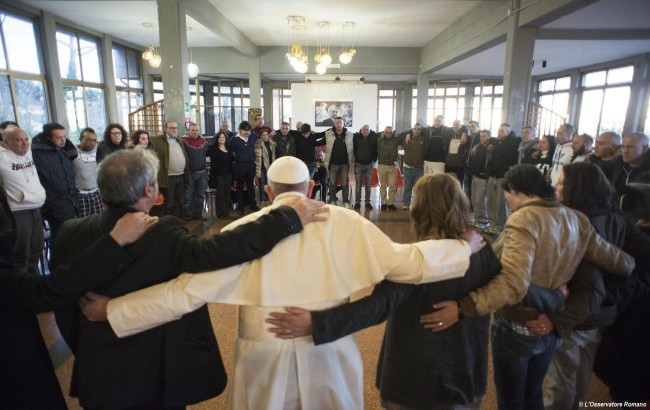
x: 25, y: 195
x: 563, y: 150
x: 352, y: 254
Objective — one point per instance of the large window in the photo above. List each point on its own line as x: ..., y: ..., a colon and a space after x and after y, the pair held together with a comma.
x: 387, y: 109
x: 604, y: 100
x: 231, y: 103
x: 553, y: 96
x: 487, y: 105
x: 22, y: 83
x: 128, y: 81
x: 478, y: 100
x: 81, y: 71
x: 281, y: 107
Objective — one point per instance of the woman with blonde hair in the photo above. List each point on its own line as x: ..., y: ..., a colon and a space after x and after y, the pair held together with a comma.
x: 418, y: 368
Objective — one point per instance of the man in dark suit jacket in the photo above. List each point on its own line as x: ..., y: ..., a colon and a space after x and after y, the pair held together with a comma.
x: 172, y: 365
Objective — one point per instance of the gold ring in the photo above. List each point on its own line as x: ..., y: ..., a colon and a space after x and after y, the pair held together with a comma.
x: 439, y: 323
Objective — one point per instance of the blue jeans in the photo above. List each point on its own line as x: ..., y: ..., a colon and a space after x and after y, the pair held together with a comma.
x: 366, y: 170
x: 195, y: 197
x: 520, y: 364
x: 339, y: 171
x: 411, y: 175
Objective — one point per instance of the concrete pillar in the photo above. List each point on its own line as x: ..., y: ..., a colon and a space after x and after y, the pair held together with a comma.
x: 408, y: 108
x: 173, y: 51
x: 208, y: 118
x: 110, y: 96
x: 47, y: 31
x: 255, y: 85
x: 423, y: 98
x: 520, y: 45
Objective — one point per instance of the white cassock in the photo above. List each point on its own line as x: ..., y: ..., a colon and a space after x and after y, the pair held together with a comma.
x: 316, y: 269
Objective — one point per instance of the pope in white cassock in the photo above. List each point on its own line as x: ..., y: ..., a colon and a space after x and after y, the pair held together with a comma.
x: 315, y: 269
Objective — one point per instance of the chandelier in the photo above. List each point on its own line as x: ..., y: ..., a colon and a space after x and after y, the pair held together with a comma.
x: 346, y: 54
x: 150, y: 53
x: 192, y: 69
x: 297, y: 55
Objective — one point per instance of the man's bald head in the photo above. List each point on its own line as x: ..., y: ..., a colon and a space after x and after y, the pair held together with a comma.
x: 16, y: 141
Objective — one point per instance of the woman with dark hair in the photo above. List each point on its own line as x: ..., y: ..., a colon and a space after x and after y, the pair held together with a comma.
x: 115, y: 138
x: 140, y: 138
x: 418, y: 368
x: 542, y: 244
x: 221, y: 173
x: 597, y: 299
x: 543, y: 157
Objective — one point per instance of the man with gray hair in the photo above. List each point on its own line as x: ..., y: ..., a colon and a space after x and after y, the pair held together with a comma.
x: 352, y: 253
x: 633, y: 162
x: 563, y: 150
x: 176, y: 364
x: 606, y: 150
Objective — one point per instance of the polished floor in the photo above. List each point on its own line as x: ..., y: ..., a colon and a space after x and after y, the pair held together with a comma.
x: 224, y: 318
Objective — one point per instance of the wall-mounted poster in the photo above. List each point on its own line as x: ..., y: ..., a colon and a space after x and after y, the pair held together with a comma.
x: 326, y: 111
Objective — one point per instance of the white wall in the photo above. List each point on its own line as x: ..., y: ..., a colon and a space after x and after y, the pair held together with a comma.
x: 363, y: 96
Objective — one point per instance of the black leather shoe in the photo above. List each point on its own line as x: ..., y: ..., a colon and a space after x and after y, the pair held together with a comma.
x: 392, y: 208
x: 384, y: 207
x: 357, y: 206
x: 240, y: 210
x: 368, y: 206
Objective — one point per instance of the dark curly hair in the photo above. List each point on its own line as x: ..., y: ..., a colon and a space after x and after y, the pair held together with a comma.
x: 527, y: 179
x: 586, y: 188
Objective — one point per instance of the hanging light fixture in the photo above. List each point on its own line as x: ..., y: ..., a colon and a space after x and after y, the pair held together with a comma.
x: 346, y: 55
x: 323, y: 57
x: 192, y: 69
x: 298, y: 53
x: 150, y: 53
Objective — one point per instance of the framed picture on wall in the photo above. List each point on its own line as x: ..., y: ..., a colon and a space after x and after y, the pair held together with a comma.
x: 326, y: 111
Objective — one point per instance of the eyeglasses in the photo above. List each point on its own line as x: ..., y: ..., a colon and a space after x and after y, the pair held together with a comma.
x: 172, y: 128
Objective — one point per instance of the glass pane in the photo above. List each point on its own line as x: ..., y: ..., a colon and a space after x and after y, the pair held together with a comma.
x: 31, y: 105
x: 461, y: 91
x: 123, y: 107
x: 7, y: 112
x: 498, y: 89
x: 487, y: 90
x: 247, y: 91
x: 119, y: 67
x: 440, y: 92
x: 594, y: 79
x: 68, y: 56
x: 135, y: 101
x: 561, y: 104
x: 452, y: 91
x: 96, y: 110
x: 224, y: 90
x: 477, y: 90
x: 614, y: 109
x: 90, y: 60
x: 236, y: 90
x: 3, y: 59
x: 385, y: 93
x: 415, y: 92
x: 431, y: 92
x: 158, y: 96
x: 133, y: 62
x: 74, y: 108
x: 21, y: 44
x: 620, y: 75
x: 158, y: 85
x: 590, y: 110
x: 562, y: 83
x: 546, y: 85
x: 386, y: 113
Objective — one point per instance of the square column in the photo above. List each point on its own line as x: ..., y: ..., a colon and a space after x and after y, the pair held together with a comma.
x: 520, y: 45
x: 173, y: 51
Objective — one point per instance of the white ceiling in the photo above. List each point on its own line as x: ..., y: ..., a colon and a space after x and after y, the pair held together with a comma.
x: 379, y: 23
